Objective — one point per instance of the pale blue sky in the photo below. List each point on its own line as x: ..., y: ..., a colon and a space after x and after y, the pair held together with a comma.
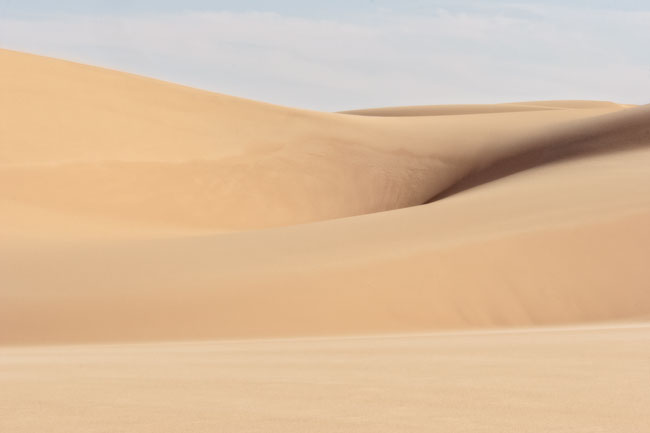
x: 341, y: 54
x: 329, y: 8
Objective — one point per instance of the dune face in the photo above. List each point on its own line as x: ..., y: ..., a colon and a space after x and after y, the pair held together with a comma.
x: 142, y: 179
x: 100, y: 143
x: 138, y: 211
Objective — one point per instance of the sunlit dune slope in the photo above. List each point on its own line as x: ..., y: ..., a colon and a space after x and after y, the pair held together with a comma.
x: 117, y: 194
x: 559, y: 244
x: 89, y: 141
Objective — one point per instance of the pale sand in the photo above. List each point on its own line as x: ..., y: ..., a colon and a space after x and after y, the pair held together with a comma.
x: 564, y: 381
x: 95, y: 142
x: 133, y: 210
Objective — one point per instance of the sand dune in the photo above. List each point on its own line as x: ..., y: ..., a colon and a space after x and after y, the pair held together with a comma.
x: 518, y: 198
x: 137, y: 149
x: 135, y: 210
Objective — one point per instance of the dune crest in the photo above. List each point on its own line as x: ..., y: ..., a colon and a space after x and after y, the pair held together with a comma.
x: 459, y: 109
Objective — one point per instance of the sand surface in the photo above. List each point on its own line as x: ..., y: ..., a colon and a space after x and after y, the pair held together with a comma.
x: 145, y: 225
x: 559, y: 380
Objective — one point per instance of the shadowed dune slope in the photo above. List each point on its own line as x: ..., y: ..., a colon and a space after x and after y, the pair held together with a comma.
x: 125, y: 204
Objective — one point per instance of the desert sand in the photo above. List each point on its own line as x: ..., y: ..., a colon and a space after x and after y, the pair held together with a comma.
x: 173, y: 259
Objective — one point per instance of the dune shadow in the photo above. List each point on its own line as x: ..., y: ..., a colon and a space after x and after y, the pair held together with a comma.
x: 610, y: 133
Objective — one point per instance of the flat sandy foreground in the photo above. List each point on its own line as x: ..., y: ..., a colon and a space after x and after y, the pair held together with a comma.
x: 178, y: 260
x: 552, y: 380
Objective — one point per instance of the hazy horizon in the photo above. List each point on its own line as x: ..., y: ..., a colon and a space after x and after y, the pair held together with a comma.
x: 345, y: 55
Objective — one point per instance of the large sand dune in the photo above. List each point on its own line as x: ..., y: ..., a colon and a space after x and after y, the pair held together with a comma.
x: 111, y: 144
x: 134, y: 210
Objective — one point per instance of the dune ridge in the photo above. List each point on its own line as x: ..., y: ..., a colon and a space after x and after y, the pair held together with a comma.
x: 459, y: 109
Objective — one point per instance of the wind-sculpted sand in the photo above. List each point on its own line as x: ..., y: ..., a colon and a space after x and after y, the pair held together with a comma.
x: 142, y: 212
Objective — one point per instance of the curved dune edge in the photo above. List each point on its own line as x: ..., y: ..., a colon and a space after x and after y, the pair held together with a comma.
x: 459, y: 109
x: 90, y: 141
x: 127, y: 207
x: 501, y: 381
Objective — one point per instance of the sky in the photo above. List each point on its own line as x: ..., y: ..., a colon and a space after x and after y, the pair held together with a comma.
x: 344, y: 54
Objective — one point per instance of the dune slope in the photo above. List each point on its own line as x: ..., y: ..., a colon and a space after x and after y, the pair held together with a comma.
x: 125, y: 205
x: 88, y: 141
